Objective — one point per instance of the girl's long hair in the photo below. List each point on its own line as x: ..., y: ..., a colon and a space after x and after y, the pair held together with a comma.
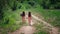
x: 23, y: 13
x: 29, y: 14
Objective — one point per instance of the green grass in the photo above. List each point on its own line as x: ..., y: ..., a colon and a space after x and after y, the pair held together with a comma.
x: 39, y: 28
x: 10, y: 23
x: 51, y: 16
x: 41, y: 32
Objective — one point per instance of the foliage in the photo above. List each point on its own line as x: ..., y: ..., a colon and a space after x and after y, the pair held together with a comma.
x: 10, y: 12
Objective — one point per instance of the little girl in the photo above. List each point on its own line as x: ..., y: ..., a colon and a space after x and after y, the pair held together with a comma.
x: 29, y: 18
x: 23, y: 16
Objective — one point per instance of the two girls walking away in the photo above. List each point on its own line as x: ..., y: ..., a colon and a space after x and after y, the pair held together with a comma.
x: 29, y: 17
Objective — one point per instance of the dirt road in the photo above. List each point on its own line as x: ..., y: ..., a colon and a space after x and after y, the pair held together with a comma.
x: 25, y: 30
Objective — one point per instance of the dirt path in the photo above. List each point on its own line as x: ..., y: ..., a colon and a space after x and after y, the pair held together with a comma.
x: 54, y: 30
x: 25, y: 30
